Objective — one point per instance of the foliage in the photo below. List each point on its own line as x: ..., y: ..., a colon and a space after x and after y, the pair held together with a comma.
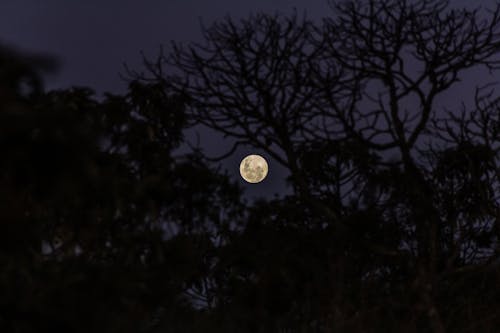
x: 102, y: 226
x: 392, y: 220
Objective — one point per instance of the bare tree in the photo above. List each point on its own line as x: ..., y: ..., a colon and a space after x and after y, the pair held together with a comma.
x: 331, y: 102
x: 413, y: 52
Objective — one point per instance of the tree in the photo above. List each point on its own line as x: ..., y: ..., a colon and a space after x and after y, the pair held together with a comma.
x: 102, y: 228
x: 392, y: 224
x: 331, y: 103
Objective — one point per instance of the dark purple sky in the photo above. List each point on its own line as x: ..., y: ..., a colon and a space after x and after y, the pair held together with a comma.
x: 92, y: 39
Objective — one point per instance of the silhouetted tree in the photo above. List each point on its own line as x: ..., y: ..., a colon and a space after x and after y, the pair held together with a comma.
x: 395, y: 202
x: 102, y: 227
x: 391, y: 225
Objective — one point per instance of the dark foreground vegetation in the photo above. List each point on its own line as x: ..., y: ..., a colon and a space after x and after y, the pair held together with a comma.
x: 392, y: 223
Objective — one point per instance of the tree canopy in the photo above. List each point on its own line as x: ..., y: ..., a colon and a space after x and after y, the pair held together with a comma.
x: 392, y: 224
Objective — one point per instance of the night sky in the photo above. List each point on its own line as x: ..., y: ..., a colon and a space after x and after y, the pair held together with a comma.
x: 92, y: 40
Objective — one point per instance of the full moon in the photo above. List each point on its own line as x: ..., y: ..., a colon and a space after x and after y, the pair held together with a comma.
x: 253, y: 168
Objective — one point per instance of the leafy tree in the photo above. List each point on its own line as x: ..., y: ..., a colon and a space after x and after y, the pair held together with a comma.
x: 102, y: 226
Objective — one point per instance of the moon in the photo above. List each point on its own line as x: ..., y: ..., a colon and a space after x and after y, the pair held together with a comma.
x: 253, y: 168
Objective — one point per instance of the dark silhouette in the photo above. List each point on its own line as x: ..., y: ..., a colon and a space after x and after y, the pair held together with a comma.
x: 392, y: 224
